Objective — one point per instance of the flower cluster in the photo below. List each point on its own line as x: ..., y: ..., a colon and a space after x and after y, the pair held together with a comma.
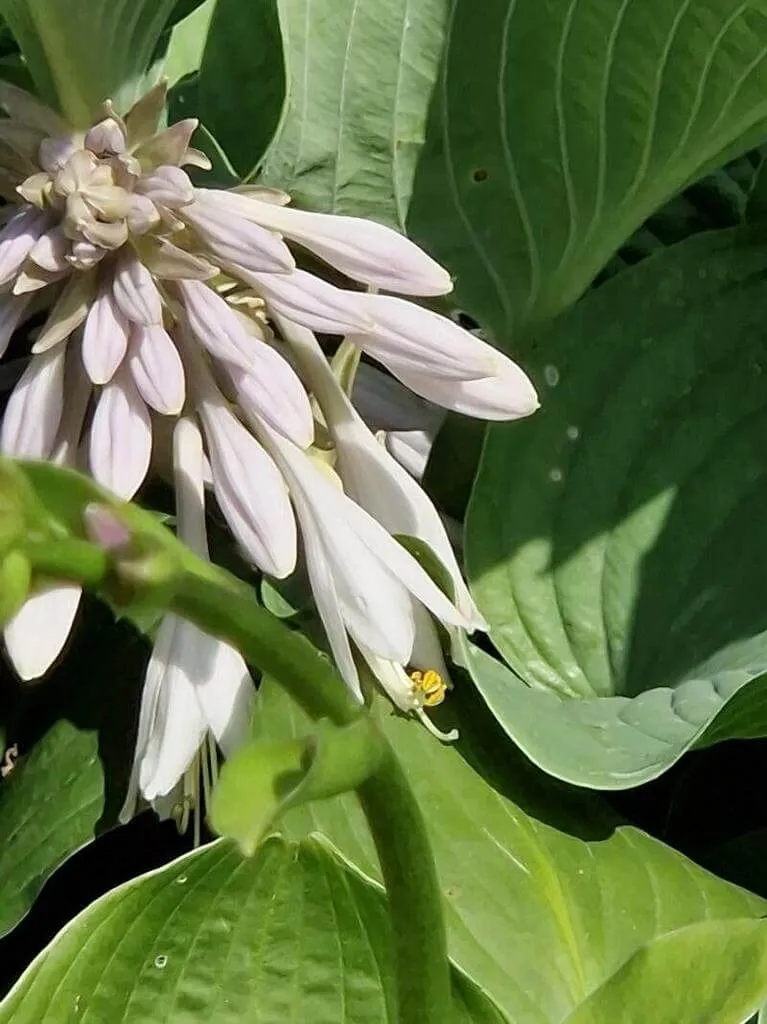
x: 172, y: 304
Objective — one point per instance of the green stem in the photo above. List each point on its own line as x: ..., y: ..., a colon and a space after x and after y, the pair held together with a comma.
x: 230, y: 611
x: 226, y: 608
x: 422, y: 969
x: 69, y: 558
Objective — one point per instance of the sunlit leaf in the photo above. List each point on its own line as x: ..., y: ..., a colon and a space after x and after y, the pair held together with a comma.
x: 611, y: 538
x: 578, y: 122
x: 81, y: 52
x: 290, y: 934
x: 547, y: 895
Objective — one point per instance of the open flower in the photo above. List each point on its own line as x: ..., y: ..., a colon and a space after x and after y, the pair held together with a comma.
x: 197, y: 689
x: 165, y: 300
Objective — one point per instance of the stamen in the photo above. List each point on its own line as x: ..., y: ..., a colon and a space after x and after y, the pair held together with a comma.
x: 429, y: 689
x: 197, y: 788
x: 446, y: 737
x: 429, y: 686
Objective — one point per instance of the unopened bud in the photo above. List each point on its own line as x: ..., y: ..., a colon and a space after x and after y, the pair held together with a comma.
x: 105, y: 137
x: 104, y: 528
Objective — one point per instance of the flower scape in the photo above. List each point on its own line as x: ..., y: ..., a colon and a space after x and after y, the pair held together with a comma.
x: 181, y: 338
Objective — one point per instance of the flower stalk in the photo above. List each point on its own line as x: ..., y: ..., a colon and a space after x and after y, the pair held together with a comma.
x: 221, y: 605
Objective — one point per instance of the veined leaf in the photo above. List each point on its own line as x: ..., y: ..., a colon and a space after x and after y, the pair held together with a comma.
x: 81, y: 52
x: 359, y: 78
x: 69, y: 783
x: 546, y: 895
x: 614, y: 539
x: 578, y: 123
x: 291, y: 934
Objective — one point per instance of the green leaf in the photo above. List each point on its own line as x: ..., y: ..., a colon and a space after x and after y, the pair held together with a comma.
x: 266, y: 778
x: 81, y: 52
x: 579, y: 122
x: 290, y: 934
x: 241, y: 84
x: 699, y: 973
x: 49, y: 806
x: 546, y: 895
x: 613, y: 538
x: 358, y: 84
x: 186, y: 44
x: 453, y: 462
x: 75, y: 752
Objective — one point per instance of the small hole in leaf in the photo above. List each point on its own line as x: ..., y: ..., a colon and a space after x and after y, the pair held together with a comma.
x: 479, y: 174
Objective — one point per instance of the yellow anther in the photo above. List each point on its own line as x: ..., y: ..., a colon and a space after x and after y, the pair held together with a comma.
x: 430, y: 686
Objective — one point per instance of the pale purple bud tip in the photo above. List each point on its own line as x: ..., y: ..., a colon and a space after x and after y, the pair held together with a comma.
x: 104, y: 528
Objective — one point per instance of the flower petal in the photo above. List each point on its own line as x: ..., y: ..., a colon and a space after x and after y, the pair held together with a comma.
x: 425, y: 341
x: 237, y: 242
x: 362, y: 249
x: 50, y: 250
x: 167, y: 185
x: 326, y: 599
x: 157, y: 369
x: 509, y: 395
x: 312, y: 302
x: 215, y: 325
x: 68, y: 312
x: 12, y: 308
x: 18, y: 237
x: 34, y: 409
x: 135, y: 292
x: 272, y: 391
x: 189, y: 484
x: 37, y: 633
x: 225, y: 692
x: 105, y: 338
x: 172, y: 725
x: 373, y: 478
x: 250, y: 491
x: 121, y: 437
x: 375, y: 605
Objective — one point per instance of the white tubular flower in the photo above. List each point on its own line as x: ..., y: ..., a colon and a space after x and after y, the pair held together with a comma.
x: 33, y: 412
x: 235, y: 242
x: 363, y: 580
x: 18, y: 238
x: 442, y: 362
x: 135, y: 293
x: 362, y: 249
x: 247, y: 484
x: 105, y: 338
x: 312, y: 302
x: 36, y: 635
x: 173, y: 300
x: 157, y: 369
x: 195, y: 685
x: 120, y: 437
x: 12, y: 309
x: 374, y: 479
x: 407, y: 423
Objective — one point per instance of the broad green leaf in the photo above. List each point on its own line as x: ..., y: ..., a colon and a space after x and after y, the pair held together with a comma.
x: 578, y: 122
x: 613, y: 539
x: 265, y: 778
x: 74, y: 733
x: 291, y: 934
x: 49, y: 806
x: 547, y: 896
x: 359, y: 77
x: 186, y: 44
x: 81, y: 52
x: 241, y: 84
x: 698, y: 973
